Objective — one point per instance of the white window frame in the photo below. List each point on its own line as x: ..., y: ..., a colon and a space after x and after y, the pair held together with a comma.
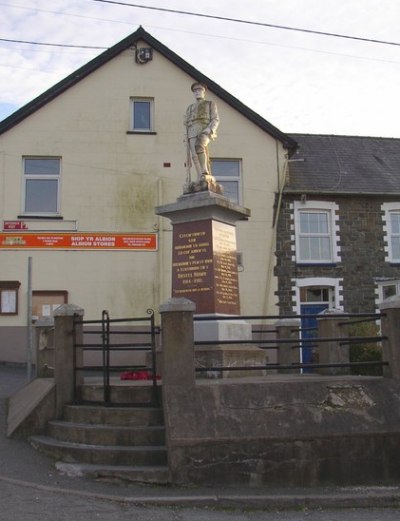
x: 140, y: 129
x: 236, y: 179
x: 41, y: 177
x: 330, y: 209
x: 382, y: 284
x: 389, y: 209
x: 335, y: 286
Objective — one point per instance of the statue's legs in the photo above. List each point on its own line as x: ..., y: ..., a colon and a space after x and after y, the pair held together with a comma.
x: 199, y: 153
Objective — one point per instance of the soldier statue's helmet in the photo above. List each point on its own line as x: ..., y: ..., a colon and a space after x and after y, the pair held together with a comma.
x: 198, y: 85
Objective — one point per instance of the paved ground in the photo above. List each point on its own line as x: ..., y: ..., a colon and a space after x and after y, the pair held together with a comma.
x: 29, y: 484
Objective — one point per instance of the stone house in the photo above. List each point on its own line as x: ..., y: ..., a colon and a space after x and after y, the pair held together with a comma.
x: 82, y: 168
x: 338, y: 233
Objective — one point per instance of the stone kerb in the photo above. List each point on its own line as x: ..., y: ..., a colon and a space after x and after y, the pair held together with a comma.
x: 390, y: 323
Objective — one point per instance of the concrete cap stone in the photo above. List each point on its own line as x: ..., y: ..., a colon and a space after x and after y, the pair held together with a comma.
x: 288, y: 322
x: 177, y: 304
x: 68, y: 310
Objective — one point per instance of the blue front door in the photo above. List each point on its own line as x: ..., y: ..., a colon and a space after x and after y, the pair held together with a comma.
x: 308, y: 325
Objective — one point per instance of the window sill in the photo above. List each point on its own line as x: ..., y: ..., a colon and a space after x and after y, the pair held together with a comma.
x: 41, y: 217
x: 317, y: 264
x: 139, y: 133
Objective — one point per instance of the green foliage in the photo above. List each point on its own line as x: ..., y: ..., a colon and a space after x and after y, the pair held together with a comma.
x: 367, y: 351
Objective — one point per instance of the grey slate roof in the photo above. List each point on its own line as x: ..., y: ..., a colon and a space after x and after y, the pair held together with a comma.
x: 345, y: 164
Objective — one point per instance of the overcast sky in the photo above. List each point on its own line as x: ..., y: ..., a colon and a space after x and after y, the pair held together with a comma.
x: 299, y: 82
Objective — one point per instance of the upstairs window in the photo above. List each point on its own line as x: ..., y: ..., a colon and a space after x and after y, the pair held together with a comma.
x: 395, y: 239
x: 42, y: 185
x: 315, y: 236
x: 392, y: 231
x: 315, y: 233
x: 228, y: 173
x: 142, y: 112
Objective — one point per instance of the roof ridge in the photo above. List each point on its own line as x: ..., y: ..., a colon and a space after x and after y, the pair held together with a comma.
x: 110, y: 53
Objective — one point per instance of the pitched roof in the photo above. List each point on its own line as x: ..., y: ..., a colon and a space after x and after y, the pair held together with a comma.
x: 111, y: 53
x: 345, y: 164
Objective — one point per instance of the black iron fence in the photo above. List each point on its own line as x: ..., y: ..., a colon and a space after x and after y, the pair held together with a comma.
x: 331, y: 354
x: 125, y: 347
x: 108, y: 341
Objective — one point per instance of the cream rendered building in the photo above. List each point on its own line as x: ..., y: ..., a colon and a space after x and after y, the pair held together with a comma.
x: 91, y: 158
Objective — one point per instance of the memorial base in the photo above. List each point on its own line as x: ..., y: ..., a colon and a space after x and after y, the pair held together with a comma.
x: 214, y: 330
x: 226, y: 355
x: 232, y: 356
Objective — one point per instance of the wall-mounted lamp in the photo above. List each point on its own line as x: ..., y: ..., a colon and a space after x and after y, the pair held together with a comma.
x: 143, y: 55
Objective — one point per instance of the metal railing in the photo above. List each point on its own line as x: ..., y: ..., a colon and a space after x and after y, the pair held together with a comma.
x: 142, y: 338
x: 262, y: 339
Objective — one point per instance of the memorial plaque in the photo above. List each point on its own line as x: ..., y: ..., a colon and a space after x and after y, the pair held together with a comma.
x: 204, y: 266
x: 226, y: 282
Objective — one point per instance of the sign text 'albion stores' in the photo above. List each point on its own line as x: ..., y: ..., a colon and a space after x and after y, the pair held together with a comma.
x: 78, y: 241
x: 204, y: 267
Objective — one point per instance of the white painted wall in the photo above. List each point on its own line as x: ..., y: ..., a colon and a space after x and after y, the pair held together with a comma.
x: 111, y: 182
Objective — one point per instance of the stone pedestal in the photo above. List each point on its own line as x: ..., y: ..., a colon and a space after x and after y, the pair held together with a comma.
x: 204, y: 264
x: 204, y: 269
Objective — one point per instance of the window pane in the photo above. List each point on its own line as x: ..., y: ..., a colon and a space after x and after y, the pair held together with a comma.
x: 42, y: 166
x: 227, y: 173
x: 396, y: 248
x: 41, y: 195
x: 141, y: 115
x: 312, y: 222
x: 315, y: 248
x: 395, y: 222
x: 389, y: 291
x: 231, y: 190
x: 314, y: 295
x: 225, y: 168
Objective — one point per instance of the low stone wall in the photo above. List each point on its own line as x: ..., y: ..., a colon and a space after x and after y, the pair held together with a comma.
x: 298, y: 431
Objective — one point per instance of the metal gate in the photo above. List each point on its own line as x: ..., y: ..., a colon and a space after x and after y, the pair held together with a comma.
x: 100, y: 346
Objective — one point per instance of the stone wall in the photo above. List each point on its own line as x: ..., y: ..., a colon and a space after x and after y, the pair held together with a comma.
x: 292, y: 432
x: 362, y: 249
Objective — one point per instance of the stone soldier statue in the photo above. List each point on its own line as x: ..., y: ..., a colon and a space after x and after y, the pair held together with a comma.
x: 201, y: 122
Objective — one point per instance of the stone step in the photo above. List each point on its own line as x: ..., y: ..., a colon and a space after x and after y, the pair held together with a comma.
x: 126, y: 393
x: 99, y: 434
x: 121, y: 416
x: 100, y: 454
x: 158, y: 475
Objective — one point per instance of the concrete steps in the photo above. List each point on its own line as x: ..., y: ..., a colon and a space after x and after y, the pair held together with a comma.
x: 95, y: 434
x: 156, y: 475
x: 109, y: 442
x: 121, y: 393
x: 123, y: 416
x: 100, y: 454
